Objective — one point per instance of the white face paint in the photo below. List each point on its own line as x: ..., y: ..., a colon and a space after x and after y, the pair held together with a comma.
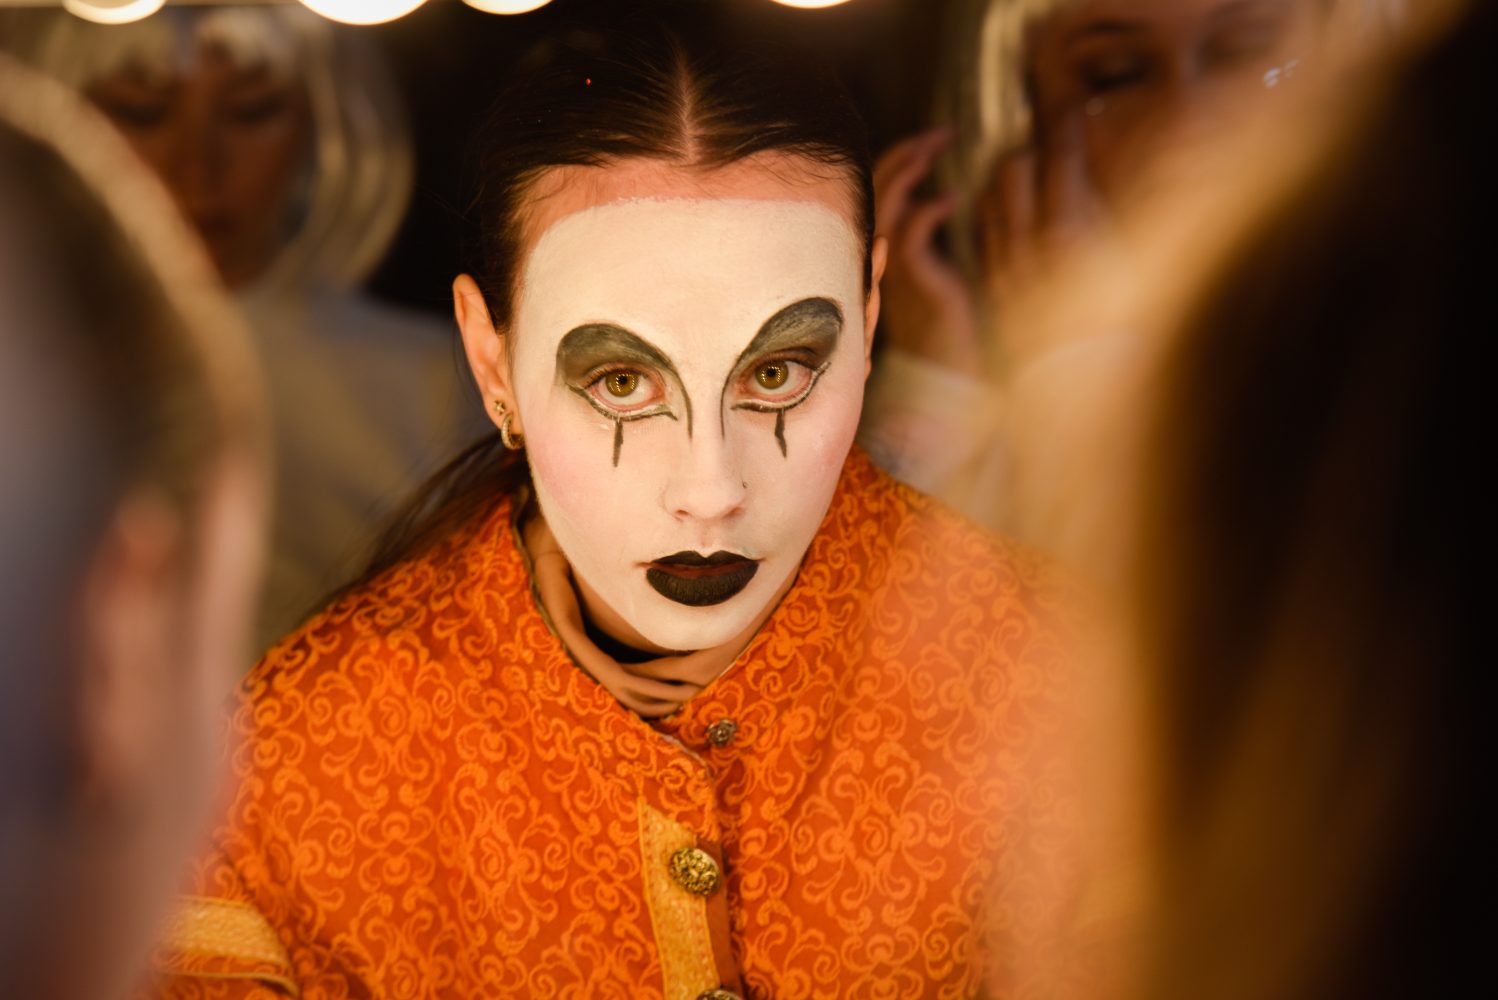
x: 689, y: 375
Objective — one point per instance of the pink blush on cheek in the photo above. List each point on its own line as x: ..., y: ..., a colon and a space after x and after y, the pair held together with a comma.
x: 588, y: 500
x: 568, y: 470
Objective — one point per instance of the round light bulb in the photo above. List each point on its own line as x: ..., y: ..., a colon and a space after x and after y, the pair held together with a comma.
x: 810, y: 4
x: 112, y: 11
x: 362, y: 11
x: 507, y: 6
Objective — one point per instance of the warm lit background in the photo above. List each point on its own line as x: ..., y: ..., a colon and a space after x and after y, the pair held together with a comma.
x: 450, y: 56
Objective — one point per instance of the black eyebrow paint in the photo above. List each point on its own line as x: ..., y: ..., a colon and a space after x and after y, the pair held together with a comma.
x: 585, y: 349
x: 809, y: 328
x: 807, y: 331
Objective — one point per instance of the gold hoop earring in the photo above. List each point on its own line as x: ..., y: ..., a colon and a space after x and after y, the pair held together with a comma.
x: 511, y: 440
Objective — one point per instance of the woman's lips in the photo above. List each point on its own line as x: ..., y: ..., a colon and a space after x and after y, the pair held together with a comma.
x: 700, y: 581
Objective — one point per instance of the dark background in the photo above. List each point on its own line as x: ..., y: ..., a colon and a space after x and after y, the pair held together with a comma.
x: 451, y: 60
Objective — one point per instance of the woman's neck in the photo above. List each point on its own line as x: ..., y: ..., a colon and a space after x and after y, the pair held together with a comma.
x: 611, y: 646
x: 646, y: 679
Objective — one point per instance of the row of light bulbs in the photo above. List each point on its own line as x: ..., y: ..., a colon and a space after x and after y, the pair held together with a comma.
x: 346, y: 11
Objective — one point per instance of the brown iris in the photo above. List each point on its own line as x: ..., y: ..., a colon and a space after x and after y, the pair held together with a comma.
x: 772, y: 376
x: 621, y: 383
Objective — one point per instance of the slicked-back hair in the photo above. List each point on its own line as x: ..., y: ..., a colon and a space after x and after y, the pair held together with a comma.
x: 674, y: 94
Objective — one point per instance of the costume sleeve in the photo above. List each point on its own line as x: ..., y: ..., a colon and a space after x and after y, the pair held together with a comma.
x: 938, y: 430
x: 269, y: 907
x: 218, y: 944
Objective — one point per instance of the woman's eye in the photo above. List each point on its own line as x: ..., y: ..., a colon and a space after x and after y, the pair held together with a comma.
x: 258, y: 112
x: 621, y: 384
x: 773, y: 375
x: 777, y: 383
x: 625, y: 390
x: 136, y: 115
x: 1113, y: 71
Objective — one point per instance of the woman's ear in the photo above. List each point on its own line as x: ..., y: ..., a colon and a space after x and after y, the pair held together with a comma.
x: 878, y: 257
x: 488, y: 353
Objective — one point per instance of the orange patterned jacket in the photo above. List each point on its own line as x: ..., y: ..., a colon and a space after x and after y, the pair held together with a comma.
x: 433, y: 801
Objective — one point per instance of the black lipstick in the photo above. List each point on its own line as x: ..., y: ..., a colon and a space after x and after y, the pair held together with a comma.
x: 700, y: 581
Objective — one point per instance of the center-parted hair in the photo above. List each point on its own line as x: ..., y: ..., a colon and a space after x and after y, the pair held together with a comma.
x: 675, y: 94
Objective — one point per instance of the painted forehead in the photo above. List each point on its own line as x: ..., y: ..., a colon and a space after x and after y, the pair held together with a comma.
x: 682, y: 273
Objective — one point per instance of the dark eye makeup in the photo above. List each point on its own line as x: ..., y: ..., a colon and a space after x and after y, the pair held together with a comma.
x: 589, y: 356
x: 625, y: 378
x: 797, y: 344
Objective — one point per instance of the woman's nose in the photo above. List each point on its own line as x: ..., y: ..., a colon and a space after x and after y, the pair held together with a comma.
x: 197, y: 168
x: 710, y: 485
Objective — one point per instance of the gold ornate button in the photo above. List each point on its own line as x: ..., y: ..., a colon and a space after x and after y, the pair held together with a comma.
x: 718, y: 994
x: 722, y: 732
x: 695, y: 871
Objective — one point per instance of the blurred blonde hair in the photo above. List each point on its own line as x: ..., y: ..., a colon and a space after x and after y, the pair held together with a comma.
x: 982, y: 89
x: 181, y: 308
x: 357, y: 182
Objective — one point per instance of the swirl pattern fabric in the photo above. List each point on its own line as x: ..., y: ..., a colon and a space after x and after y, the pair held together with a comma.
x: 433, y: 801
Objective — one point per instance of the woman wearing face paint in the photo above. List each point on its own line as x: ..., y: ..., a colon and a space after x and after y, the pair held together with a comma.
x: 1057, y: 114
x: 661, y: 691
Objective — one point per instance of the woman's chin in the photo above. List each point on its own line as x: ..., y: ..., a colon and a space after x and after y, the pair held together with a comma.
x: 678, y: 627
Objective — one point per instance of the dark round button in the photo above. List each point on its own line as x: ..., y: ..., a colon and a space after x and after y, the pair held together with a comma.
x: 695, y: 871
x: 722, y: 732
x: 718, y: 994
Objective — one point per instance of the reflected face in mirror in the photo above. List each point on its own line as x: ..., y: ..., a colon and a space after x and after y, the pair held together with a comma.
x: 1142, y: 76
x: 689, y: 375
x: 228, y: 140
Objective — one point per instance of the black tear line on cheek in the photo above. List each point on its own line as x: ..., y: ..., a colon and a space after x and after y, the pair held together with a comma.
x: 620, y: 421
x: 780, y: 431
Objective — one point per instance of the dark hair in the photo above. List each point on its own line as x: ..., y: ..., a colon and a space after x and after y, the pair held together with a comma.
x: 674, y: 93
x: 1314, y: 614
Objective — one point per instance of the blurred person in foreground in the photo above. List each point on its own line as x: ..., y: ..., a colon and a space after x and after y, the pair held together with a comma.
x: 1284, y: 499
x: 282, y: 140
x: 1055, y: 113
x: 132, y: 448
